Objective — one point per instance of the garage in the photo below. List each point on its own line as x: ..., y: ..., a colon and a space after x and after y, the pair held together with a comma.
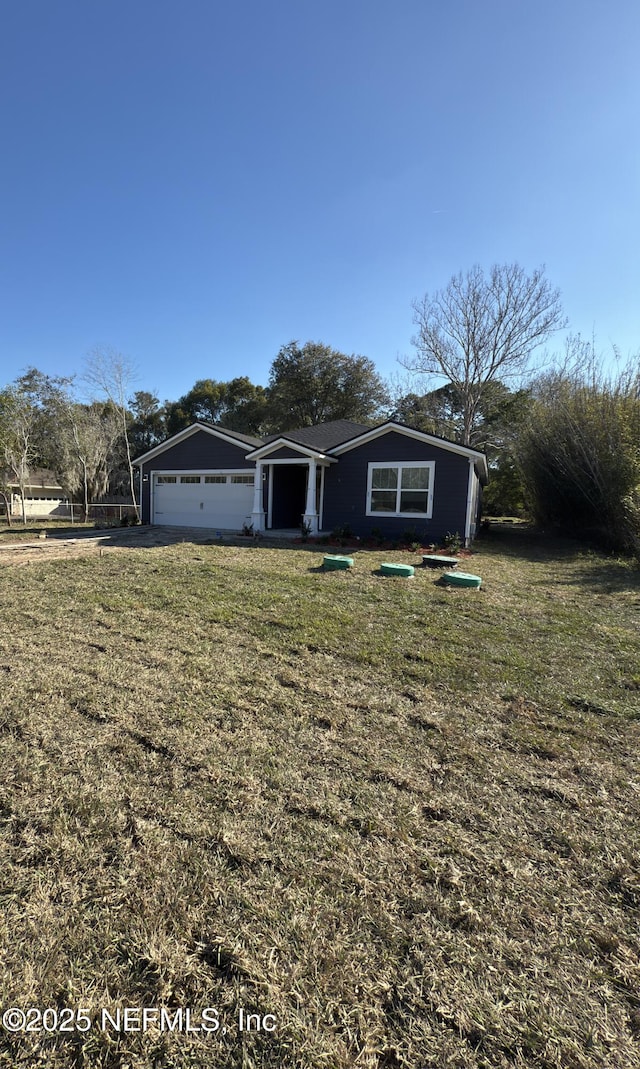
x: 223, y: 501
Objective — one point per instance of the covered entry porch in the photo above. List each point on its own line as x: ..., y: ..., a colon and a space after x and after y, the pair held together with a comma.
x: 289, y: 488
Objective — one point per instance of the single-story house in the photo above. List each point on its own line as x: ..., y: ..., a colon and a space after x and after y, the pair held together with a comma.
x: 390, y: 478
x: 43, y: 495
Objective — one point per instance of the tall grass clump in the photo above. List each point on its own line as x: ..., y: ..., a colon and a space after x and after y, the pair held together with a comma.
x: 579, y: 450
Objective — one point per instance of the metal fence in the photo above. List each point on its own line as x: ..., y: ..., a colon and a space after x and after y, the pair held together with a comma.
x: 104, y: 511
x: 107, y: 511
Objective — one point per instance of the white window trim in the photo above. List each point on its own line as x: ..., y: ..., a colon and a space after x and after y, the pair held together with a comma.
x: 399, y: 465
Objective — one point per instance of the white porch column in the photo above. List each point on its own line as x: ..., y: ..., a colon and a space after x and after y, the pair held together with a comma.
x: 257, y: 516
x: 311, y: 513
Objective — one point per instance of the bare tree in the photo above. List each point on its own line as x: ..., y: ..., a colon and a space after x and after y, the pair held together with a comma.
x: 113, y: 376
x: 481, y: 328
x: 5, y: 497
x: 85, y: 438
x: 17, y: 428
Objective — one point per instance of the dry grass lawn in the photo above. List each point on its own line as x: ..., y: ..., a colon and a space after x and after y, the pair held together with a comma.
x: 401, y: 819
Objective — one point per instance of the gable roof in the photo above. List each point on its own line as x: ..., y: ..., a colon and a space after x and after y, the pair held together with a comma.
x: 370, y: 433
x: 235, y: 437
x: 322, y: 436
x: 334, y: 438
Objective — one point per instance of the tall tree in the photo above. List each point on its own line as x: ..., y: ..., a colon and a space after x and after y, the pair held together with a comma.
x: 18, y: 419
x: 247, y: 407
x: 441, y: 412
x: 483, y: 327
x: 45, y: 394
x: 148, y: 426
x: 436, y: 412
x: 316, y: 384
x: 500, y: 415
x: 113, y: 375
x: 85, y: 439
x: 204, y: 401
x: 237, y: 404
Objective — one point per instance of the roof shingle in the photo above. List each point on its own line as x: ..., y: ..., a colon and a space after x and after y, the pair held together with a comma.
x: 323, y: 435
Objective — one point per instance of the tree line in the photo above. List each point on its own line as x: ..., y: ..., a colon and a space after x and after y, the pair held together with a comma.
x: 44, y: 423
x: 562, y: 440
x: 88, y: 429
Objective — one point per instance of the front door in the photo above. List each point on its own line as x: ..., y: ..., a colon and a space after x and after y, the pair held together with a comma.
x: 289, y: 494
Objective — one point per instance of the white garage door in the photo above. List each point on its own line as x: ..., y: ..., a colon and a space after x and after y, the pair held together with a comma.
x: 221, y: 501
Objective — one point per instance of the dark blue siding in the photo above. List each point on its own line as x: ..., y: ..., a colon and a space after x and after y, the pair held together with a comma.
x: 196, y: 453
x: 345, y: 489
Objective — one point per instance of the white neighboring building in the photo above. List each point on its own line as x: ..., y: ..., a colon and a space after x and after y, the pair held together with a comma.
x: 43, y: 496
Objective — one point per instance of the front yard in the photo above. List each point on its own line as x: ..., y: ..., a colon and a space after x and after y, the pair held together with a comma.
x: 396, y: 822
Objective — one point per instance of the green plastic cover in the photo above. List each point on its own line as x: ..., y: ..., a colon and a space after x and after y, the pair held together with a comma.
x: 405, y: 570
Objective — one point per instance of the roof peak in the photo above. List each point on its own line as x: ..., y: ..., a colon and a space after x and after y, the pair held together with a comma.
x: 322, y: 435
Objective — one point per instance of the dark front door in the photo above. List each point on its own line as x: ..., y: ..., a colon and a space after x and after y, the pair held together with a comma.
x: 289, y: 494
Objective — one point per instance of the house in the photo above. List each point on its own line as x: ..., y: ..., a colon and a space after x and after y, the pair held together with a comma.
x: 43, y: 495
x: 390, y: 478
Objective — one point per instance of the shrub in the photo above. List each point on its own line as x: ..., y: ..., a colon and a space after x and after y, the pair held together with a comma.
x: 580, y: 452
x: 452, y: 542
x: 341, y: 534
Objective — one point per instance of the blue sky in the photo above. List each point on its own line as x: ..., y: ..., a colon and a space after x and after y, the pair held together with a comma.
x: 195, y: 184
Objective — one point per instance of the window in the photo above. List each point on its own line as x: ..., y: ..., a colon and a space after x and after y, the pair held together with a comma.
x: 189, y: 478
x: 215, y: 478
x: 246, y: 480
x: 161, y: 479
x: 400, y: 489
